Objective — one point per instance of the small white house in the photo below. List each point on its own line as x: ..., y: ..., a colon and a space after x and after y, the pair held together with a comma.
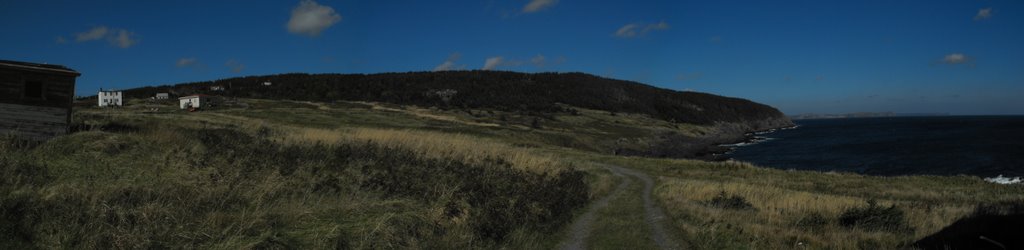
x: 110, y: 98
x: 217, y: 88
x: 267, y: 83
x: 195, y: 101
x: 162, y: 96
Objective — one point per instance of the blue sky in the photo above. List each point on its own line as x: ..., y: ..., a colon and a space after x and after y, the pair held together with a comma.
x: 961, y: 57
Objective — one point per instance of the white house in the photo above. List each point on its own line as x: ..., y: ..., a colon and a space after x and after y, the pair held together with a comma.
x: 162, y: 96
x: 217, y: 88
x: 267, y: 83
x: 110, y: 98
x: 195, y: 101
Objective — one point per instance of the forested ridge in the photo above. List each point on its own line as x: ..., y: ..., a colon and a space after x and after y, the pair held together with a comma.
x: 499, y: 90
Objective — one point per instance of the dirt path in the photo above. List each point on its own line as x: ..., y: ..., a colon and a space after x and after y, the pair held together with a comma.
x: 583, y: 225
x: 654, y: 217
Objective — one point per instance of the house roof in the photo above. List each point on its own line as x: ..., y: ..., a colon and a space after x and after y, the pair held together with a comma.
x: 39, y: 67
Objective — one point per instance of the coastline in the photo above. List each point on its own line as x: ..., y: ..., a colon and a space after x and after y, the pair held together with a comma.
x: 861, y: 156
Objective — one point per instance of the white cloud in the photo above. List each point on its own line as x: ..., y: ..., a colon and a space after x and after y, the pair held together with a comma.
x: 449, y: 64
x: 445, y: 66
x: 657, y: 26
x: 493, y: 62
x: 629, y: 30
x: 983, y: 14
x: 538, y: 5
x: 955, y: 58
x: 95, y: 33
x: 640, y: 29
x: 311, y: 18
x: 235, y: 66
x: 186, y: 62
x: 538, y: 61
x: 117, y: 37
x: 124, y: 39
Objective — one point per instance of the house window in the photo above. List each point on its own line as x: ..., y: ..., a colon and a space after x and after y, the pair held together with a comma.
x: 34, y: 89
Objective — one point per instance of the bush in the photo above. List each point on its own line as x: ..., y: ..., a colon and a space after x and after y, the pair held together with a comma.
x: 730, y: 202
x: 812, y: 222
x: 875, y: 218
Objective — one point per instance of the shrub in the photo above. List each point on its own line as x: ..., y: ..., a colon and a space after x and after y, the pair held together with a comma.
x: 875, y: 218
x: 722, y: 200
x: 812, y: 222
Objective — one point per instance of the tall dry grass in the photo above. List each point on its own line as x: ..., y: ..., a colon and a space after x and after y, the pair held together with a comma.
x: 435, y: 145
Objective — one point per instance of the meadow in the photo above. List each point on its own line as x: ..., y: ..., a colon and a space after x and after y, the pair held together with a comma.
x: 356, y: 175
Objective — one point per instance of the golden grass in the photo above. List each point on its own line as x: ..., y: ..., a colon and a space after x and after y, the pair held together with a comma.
x: 772, y: 223
x: 435, y: 145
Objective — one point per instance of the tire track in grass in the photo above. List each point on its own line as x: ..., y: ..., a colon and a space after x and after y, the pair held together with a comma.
x: 582, y: 227
x: 654, y: 217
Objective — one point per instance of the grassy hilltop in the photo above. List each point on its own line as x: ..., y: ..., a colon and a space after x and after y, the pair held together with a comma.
x: 280, y: 174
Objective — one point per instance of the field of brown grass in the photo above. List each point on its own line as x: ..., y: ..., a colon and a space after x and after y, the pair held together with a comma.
x: 370, y: 175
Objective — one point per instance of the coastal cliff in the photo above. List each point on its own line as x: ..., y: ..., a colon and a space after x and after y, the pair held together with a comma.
x: 543, y: 96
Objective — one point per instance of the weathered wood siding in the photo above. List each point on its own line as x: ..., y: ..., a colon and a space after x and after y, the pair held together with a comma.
x: 38, y: 117
x: 58, y: 89
x: 33, y: 121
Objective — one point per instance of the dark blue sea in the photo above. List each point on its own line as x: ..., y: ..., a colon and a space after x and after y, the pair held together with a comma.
x: 985, y: 146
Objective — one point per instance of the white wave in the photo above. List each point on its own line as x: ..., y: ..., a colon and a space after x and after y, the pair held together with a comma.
x: 1004, y: 180
x: 755, y: 140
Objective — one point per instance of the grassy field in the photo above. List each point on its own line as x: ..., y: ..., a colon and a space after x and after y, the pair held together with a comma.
x: 351, y: 175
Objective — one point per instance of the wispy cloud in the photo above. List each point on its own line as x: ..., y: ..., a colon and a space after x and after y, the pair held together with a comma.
x: 493, y: 62
x: 235, y: 66
x: 629, y: 30
x: 124, y: 39
x: 96, y: 33
x: 983, y: 14
x: 449, y: 64
x: 311, y: 18
x: 956, y: 58
x: 61, y: 40
x: 538, y: 5
x: 117, y: 37
x: 187, y: 62
x: 640, y: 29
x: 539, y: 60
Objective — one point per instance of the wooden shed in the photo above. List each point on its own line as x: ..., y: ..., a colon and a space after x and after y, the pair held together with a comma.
x: 35, y: 99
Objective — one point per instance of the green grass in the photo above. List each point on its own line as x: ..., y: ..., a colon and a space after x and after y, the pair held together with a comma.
x: 351, y: 175
x: 621, y: 224
x: 219, y: 185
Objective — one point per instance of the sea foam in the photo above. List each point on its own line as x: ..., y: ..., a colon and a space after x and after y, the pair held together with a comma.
x: 1004, y: 180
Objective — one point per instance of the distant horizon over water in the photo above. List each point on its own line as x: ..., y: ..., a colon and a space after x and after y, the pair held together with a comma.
x: 984, y: 146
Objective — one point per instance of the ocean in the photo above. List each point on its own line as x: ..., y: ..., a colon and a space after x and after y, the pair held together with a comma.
x: 984, y: 146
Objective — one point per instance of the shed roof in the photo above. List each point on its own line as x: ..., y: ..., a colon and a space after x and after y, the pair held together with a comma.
x: 40, y: 67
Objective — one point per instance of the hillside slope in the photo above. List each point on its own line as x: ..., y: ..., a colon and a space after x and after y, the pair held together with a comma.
x: 498, y: 90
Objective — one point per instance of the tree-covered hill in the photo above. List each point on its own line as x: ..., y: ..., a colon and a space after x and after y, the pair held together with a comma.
x: 500, y: 90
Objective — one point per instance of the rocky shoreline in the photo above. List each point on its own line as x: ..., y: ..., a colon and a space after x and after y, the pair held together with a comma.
x: 708, y: 147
